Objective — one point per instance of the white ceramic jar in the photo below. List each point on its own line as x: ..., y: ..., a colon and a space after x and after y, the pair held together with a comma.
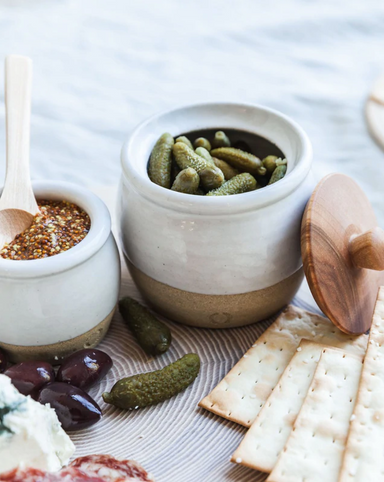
x: 215, y: 261
x: 54, y: 306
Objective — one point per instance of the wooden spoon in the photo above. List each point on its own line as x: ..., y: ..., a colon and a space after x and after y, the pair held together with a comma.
x: 17, y: 204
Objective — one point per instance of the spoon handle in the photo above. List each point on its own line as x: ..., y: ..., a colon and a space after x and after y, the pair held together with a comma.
x: 17, y: 193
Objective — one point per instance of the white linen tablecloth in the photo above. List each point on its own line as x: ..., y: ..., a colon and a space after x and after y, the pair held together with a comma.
x: 100, y: 67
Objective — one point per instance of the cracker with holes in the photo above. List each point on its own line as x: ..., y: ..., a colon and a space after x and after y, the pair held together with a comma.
x: 364, y: 454
x: 315, y: 447
x: 269, y: 432
x: 242, y: 393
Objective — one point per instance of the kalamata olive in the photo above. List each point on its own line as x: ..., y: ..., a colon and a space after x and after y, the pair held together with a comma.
x: 74, y: 408
x: 3, y: 361
x: 84, y: 368
x: 29, y: 377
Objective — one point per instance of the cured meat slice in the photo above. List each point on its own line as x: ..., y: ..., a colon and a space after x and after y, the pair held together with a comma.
x: 91, y: 468
x: 110, y: 469
x: 33, y: 475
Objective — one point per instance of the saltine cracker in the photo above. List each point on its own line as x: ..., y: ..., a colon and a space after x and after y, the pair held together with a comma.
x: 243, y: 391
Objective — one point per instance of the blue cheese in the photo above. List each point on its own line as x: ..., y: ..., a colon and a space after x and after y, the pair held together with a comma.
x: 30, y: 433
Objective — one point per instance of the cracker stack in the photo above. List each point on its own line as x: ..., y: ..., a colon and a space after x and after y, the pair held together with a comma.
x: 296, y: 389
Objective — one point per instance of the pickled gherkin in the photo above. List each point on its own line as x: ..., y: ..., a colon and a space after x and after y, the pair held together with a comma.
x: 187, y: 181
x: 211, y: 178
x: 159, y: 168
x: 240, y: 160
x: 269, y: 163
x: 243, y: 182
x: 185, y: 140
x: 221, y: 140
x: 202, y: 142
x: 153, y: 336
x: 154, y: 387
x: 228, y: 171
x: 201, y: 151
x: 278, y: 174
x: 281, y: 162
x: 186, y: 157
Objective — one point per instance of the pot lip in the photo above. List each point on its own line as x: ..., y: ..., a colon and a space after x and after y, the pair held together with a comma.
x: 221, y: 204
x: 95, y: 239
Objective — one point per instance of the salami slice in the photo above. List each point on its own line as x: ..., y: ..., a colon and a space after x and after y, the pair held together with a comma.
x: 91, y: 468
x: 33, y: 475
x: 110, y: 469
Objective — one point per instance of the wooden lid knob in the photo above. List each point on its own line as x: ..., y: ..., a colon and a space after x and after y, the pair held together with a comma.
x: 367, y: 249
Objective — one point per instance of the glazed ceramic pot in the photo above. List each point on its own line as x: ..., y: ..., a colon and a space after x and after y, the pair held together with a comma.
x: 215, y: 262
x: 54, y: 306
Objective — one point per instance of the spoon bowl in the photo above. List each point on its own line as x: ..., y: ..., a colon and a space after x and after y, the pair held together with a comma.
x: 12, y: 223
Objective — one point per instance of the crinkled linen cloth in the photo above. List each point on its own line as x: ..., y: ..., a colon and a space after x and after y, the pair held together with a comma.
x: 100, y: 67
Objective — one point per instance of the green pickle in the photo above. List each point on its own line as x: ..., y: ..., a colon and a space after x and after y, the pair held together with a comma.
x: 201, y: 151
x: 152, y: 388
x: 278, y: 174
x: 211, y: 178
x: 243, y: 182
x: 187, y: 181
x: 240, y: 160
x: 269, y: 163
x: 185, y: 140
x: 153, y: 336
x: 159, y: 167
x: 228, y: 171
x: 221, y: 140
x: 202, y: 142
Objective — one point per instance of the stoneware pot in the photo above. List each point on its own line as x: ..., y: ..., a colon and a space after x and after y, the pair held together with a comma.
x: 54, y: 306
x: 215, y: 262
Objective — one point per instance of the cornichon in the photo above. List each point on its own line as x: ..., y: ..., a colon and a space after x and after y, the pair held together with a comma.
x: 155, y: 387
x: 278, y: 173
x: 187, y: 181
x: 221, y: 140
x: 228, y: 171
x: 201, y: 151
x: 211, y: 178
x: 153, y: 336
x: 240, y: 160
x: 186, y: 157
x: 159, y: 168
x: 269, y: 163
x: 243, y: 182
x: 185, y: 140
x: 202, y: 142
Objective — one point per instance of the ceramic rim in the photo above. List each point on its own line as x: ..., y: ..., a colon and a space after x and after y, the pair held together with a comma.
x: 134, y: 158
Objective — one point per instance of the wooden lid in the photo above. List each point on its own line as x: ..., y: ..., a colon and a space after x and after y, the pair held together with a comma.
x: 343, y: 252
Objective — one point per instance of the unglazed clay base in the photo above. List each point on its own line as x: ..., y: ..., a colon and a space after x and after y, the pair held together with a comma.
x: 57, y: 351
x: 216, y: 311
